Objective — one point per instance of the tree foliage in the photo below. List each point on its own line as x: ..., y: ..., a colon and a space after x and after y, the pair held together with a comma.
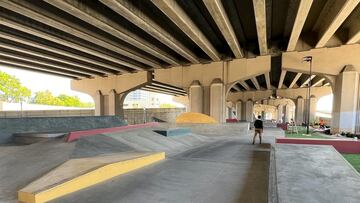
x: 11, y: 89
x: 165, y: 105
x: 47, y: 98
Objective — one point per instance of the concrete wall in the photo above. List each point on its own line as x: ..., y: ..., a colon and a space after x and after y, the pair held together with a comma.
x: 46, y: 113
x: 135, y: 116
x: 9, y: 126
x: 132, y: 116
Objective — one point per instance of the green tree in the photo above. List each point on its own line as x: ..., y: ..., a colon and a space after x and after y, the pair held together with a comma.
x: 47, y: 98
x: 167, y: 105
x: 12, y: 90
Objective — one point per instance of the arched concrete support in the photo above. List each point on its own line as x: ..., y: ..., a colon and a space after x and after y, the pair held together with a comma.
x: 346, y: 96
x: 239, y: 106
x: 249, y: 108
x: 196, y: 96
x: 217, y: 100
x: 99, y: 103
x: 313, y: 102
x: 299, y: 115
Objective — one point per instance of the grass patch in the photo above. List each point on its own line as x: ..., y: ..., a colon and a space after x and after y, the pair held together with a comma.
x: 353, y: 159
x: 301, y: 132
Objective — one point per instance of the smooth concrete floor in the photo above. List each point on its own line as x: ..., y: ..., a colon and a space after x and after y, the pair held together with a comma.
x: 229, y: 170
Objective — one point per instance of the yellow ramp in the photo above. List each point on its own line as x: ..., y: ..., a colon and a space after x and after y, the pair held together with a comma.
x: 77, y: 174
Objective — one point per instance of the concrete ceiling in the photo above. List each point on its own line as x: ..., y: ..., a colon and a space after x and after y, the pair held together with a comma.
x: 86, y: 38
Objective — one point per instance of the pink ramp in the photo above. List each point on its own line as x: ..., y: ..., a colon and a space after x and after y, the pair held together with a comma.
x: 77, y: 134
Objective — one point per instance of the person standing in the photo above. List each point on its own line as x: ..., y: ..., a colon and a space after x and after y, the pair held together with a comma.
x: 258, y: 124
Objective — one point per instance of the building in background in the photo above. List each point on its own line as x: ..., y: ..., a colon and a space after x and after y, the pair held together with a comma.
x: 145, y: 99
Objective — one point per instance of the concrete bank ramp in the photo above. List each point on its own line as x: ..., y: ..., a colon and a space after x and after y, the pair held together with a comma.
x: 19, y: 165
x: 148, y: 140
x: 314, y: 173
x: 98, y: 145
x: 77, y: 174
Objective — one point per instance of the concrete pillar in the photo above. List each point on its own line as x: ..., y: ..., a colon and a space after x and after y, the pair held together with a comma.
x: 238, y: 107
x: 196, y: 97
x: 114, y: 106
x: 99, y: 103
x: 265, y: 102
x: 346, y: 92
x: 249, y: 108
x: 313, y: 102
x: 217, y: 100
x: 299, y: 115
x: 280, y: 113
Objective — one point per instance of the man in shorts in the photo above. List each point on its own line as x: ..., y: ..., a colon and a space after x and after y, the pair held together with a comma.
x: 258, y: 124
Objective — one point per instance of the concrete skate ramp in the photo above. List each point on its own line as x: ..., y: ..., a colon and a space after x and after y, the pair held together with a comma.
x: 148, y: 140
x: 313, y: 173
x: 9, y: 126
x: 98, y: 145
x: 20, y: 165
x: 31, y: 138
x: 191, y: 117
x: 173, y: 131
x: 220, y: 129
x: 77, y: 174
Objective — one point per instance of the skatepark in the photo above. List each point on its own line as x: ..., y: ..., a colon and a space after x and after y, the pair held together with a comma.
x: 203, y: 163
x: 226, y: 62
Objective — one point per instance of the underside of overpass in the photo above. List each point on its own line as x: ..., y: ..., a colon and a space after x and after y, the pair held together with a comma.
x: 208, y: 51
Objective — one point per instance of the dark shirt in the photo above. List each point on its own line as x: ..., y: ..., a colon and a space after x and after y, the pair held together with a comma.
x: 258, y: 124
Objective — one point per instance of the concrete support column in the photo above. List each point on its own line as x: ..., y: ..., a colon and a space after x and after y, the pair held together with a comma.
x: 249, y: 108
x: 299, y: 115
x: 217, y: 100
x: 313, y: 102
x: 280, y: 113
x: 99, y: 103
x: 265, y: 102
x: 114, y: 103
x: 238, y: 107
x: 346, y: 92
x: 196, y: 96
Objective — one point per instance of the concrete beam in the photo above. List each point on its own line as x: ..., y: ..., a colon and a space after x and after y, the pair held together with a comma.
x: 38, y: 14
x: 255, y: 82
x: 245, y: 85
x: 52, y: 58
x: 236, y: 87
x: 45, y: 63
x: 91, y: 16
x: 326, y: 84
x: 302, y: 13
x: 165, y: 90
x: 267, y: 79
x: 298, y: 75
x: 332, y: 17
x: 260, y: 19
x: 354, y: 27
x: 168, y: 87
x: 307, y: 81
x: 44, y: 35
x: 218, y: 13
x: 138, y: 18
x: 16, y: 63
x: 318, y: 82
x: 281, y: 80
x: 31, y: 43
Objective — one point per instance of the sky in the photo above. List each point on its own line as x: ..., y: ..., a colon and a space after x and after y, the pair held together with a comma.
x: 40, y: 82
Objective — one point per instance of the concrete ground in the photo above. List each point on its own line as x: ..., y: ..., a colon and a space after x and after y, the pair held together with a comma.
x: 314, y: 173
x: 210, y: 168
x: 230, y: 170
